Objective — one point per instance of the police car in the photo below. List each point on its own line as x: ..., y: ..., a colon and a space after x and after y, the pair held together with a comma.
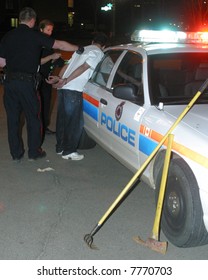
x: 135, y: 95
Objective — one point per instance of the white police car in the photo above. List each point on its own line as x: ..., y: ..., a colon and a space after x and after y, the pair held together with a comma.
x: 134, y: 96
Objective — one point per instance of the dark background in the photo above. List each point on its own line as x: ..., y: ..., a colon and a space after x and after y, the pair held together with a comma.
x: 119, y: 23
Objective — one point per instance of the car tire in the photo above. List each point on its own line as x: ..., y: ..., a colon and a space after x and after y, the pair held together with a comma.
x: 182, y: 215
x: 85, y: 141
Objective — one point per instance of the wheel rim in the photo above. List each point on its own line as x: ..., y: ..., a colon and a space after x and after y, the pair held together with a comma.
x: 174, y: 205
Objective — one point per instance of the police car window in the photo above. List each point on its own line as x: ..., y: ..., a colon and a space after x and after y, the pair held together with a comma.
x: 104, y: 68
x: 175, y: 78
x: 130, y: 71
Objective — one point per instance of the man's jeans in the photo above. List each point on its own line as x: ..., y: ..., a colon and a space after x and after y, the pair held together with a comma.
x: 69, y: 123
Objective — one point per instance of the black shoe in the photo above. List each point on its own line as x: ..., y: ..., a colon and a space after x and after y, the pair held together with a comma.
x: 59, y: 151
x: 49, y: 132
x: 42, y: 154
x: 18, y: 159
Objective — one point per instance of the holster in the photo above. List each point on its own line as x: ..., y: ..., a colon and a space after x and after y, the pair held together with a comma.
x: 37, y: 79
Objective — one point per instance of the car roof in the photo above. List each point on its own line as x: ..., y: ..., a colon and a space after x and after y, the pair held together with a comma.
x: 158, y: 48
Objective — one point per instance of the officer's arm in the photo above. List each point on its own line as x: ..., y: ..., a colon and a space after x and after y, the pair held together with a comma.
x: 48, y: 58
x: 64, y: 46
x: 2, y: 62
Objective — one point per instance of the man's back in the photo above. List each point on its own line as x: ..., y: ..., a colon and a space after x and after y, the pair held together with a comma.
x: 91, y: 55
x: 22, y: 48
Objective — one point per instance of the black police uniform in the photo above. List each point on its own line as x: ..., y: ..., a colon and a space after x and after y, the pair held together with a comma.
x: 46, y: 89
x: 21, y: 47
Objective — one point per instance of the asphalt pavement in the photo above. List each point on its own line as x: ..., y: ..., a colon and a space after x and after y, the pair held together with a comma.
x: 48, y: 205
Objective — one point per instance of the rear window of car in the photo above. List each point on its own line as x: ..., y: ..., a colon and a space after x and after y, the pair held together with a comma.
x: 176, y: 78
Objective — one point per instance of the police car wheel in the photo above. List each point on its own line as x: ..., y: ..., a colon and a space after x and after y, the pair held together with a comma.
x: 86, y: 142
x: 182, y: 216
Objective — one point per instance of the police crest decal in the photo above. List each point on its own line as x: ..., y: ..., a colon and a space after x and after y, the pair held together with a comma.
x: 119, y: 111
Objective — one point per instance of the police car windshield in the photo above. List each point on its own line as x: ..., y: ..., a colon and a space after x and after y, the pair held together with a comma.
x: 176, y: 78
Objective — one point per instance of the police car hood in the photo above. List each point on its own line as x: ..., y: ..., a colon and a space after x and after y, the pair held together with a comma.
x: 196, y: 118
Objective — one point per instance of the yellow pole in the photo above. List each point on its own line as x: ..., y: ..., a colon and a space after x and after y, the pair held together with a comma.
x: 155, y: 230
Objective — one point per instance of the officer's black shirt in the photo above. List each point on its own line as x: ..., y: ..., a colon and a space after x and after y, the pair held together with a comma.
x: 21, y: 47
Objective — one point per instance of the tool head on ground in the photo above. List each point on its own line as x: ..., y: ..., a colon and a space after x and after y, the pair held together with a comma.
x: 153, y: 244
x: 88, y: 238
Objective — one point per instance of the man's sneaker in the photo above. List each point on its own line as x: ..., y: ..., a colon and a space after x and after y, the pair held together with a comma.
x: 42, y: 154
x: 73, y: 156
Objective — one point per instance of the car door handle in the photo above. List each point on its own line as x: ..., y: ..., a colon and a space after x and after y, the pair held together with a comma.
x: 103, y: 101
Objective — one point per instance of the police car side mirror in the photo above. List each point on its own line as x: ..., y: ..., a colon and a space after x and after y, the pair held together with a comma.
x: 126, y: 92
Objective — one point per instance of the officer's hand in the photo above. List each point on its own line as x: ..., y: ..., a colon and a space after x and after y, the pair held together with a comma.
x: 80, y: 50
x: 55, y: 56
x: 52, y: 80
x: 60, y: 83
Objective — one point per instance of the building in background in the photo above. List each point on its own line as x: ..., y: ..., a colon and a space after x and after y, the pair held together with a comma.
x: 57, y: 11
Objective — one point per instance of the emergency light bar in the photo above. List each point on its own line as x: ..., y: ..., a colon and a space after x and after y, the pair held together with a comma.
x: 167, y: 36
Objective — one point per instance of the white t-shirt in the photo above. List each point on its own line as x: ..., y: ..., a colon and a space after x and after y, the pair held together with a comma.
x: 92, y: 56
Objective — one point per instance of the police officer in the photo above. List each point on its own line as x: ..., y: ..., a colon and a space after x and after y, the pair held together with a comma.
x: 20, y: 51
x: 49, y: 61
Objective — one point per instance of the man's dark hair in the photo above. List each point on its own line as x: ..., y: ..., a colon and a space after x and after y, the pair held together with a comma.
x: 26, y: 14
x: 100, y: 38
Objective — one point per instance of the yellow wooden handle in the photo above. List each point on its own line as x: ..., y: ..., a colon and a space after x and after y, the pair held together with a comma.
x: 155, y: 230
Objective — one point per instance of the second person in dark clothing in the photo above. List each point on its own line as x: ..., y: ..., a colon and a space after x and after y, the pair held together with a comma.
x: 49, y: 61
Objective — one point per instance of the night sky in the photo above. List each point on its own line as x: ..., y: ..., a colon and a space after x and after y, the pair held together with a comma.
x: 86, y: 7
x: 165, y: 10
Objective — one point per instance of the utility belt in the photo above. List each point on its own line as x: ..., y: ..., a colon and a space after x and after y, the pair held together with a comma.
x: 22, y: 76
